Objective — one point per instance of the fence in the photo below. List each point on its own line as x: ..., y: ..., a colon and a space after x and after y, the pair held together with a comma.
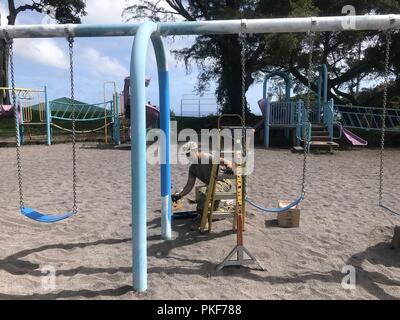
x: 193, y: 105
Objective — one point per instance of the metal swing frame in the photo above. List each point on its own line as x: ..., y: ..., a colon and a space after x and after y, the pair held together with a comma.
x: 149, y: 31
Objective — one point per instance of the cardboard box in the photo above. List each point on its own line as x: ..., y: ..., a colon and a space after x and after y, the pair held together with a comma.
x: 289, y: 218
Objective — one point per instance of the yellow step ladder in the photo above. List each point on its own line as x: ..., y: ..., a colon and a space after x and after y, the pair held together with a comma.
x: 212, y: 195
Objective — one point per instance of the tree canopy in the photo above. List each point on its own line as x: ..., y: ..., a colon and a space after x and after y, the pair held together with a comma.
x: 352, y: 57
x: 64, y: 11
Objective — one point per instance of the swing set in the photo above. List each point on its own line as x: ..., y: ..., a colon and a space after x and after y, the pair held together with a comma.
x: 26, y: 211
x: 144, y: 33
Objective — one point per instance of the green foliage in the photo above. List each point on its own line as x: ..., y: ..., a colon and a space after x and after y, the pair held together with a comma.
x: 65, y: 11
x: 352, y: 58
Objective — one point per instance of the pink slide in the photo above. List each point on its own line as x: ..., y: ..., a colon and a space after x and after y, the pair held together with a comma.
x: 354, y: 139
x: 6, y: 111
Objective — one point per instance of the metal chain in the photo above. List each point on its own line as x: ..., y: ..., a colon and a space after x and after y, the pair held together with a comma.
x: 307, y: 110
x: 242, y: 38
x: 384, y: 112
x: 16, y: 115
x: 74, y: 179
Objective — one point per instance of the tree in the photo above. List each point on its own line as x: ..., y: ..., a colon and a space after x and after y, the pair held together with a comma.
x: 351, y: 57
x: 64, y: 11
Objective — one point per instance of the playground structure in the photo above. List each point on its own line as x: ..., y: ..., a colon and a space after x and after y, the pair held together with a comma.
x: 34, y: 110
x: 152, y: 31
x: 325, y: 116
x: 152, y: 113
x: 26, y: 99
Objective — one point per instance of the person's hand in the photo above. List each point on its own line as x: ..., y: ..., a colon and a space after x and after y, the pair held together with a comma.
x: 228, y: 171
x: 176, y: 197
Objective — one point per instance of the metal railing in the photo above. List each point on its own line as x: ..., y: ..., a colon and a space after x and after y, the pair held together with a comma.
x: 282, y: 113
x: 328, y: 117
x: 83, y: 112
x: 367, y: 118
x: 193, y: 105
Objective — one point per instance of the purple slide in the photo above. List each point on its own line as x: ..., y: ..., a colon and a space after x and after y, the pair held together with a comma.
x: 354, y: 139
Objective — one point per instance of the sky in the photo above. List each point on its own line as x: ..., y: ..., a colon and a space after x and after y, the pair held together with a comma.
x: 40, y: 62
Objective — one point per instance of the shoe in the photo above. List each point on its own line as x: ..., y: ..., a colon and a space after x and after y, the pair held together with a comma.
x: 195, y: 227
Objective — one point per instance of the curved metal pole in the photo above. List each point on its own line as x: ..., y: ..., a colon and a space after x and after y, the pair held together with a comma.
x: 322, y: 89
x: 138, y: 150
x: 285, y: 77
x: 163, y: 81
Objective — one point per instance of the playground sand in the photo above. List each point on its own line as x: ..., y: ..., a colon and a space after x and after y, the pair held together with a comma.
x: 91, y: 253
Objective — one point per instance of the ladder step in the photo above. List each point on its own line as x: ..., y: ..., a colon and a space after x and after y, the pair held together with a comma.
x: 321, y: 144
x: 225, y: 195
x: 320, y: 133
x: 318, y: 138
x: 226, y: 177
x: 223, y: 214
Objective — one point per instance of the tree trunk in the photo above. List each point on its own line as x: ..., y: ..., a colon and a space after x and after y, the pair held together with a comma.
x: 230, y: 86
x: 4, y: 98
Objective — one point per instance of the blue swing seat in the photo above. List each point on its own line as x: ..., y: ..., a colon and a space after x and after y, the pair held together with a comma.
x: 39, y: 217
x: 276, y: 210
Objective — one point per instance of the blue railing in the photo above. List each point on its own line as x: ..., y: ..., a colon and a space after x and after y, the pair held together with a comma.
x: 367, y: 118
x: 282, y: 113
x: 328, y: 117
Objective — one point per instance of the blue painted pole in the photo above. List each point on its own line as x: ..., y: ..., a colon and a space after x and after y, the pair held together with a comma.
x: 330, y: 124
x: 48, y: 117
x: 325, y: 92
x: 117, y: 122
x: 266, y: 123
x: 138, y: 155
x: 319, y: 98
x: 165, y: 126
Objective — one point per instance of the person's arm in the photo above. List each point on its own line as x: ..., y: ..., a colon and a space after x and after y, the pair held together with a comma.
x: 223, y: 162
x: 226, y: 163
x: 186, y: 189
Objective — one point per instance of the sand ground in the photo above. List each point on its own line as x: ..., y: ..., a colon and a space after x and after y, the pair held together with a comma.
x: 91, y: 252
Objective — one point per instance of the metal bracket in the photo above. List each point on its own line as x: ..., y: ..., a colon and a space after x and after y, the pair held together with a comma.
x: 70, y: 36
x: 392, y: 21
x: 7, y: 37
x: 313, y: 23
x: 240, y: 261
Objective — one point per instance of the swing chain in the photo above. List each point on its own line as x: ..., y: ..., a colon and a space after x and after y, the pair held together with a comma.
x: 307, y: 111
x: 10, y: 46
x: 242, y: 40
x: 384, y: 112
x: 74, y: 178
